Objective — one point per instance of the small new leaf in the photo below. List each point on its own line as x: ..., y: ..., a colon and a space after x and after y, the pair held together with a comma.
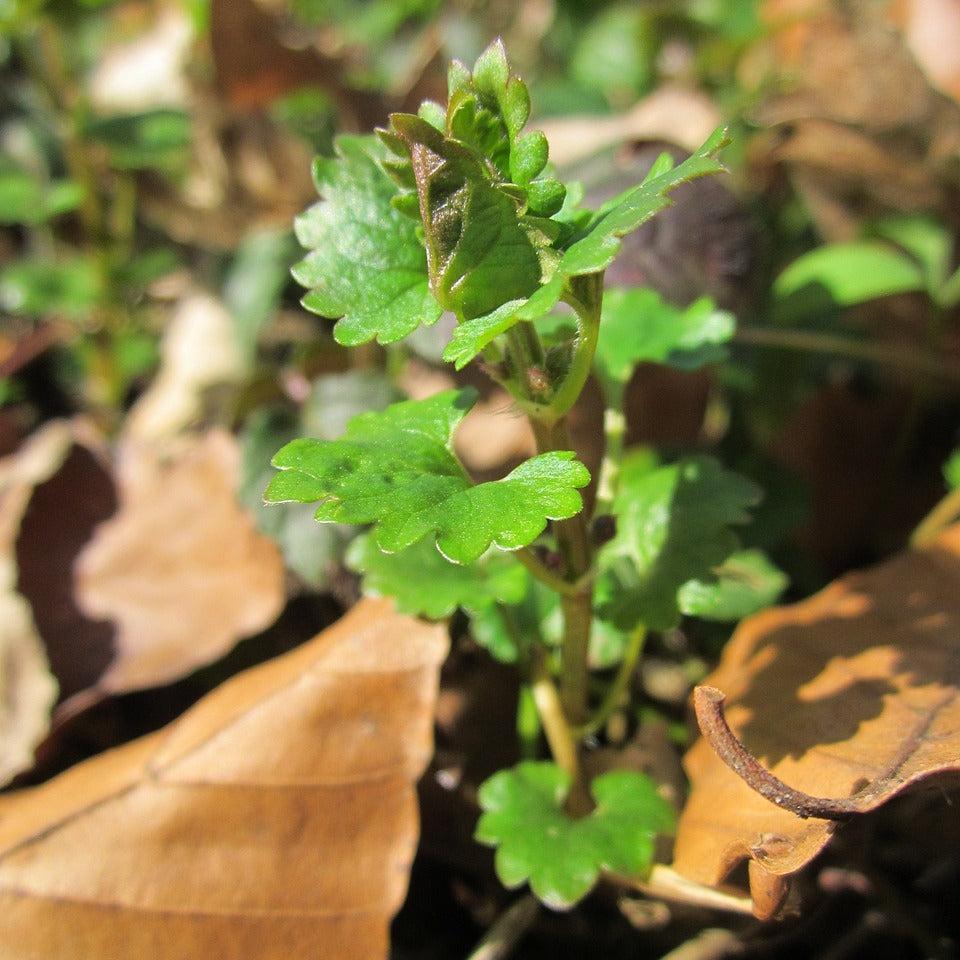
x: 593, y: 248
x: 674, y: 525
x: 424, y: 584
x: 638, y: 326
x: 537, y: 841
x: 480, y: 252
x: 366, y: 266
x: 396, y: 469
x: 746, y: 582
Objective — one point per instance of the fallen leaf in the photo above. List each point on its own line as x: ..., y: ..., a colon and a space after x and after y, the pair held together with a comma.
x: 39, y: 541
x: 180, y: 569
x: 28, y: 689
x: 276, y: 819
x: 675, y: 114
x: 932, y: 31
x: 200, y: 351
x: 851, y: 692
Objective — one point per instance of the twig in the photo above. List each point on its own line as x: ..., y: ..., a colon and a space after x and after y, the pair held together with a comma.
x: 505, y: 934
x: 664, y: 883
x: 708, y: 945
x: 832, y: 345
x: 708, y: 704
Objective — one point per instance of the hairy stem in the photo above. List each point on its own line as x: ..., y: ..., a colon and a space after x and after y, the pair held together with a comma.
x: 586, y: 299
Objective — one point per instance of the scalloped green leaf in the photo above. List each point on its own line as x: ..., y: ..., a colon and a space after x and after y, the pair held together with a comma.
x: 638, y: 326
x: 536, y: 614
x: 592, y: 248
x: 480, y: 253
x: 745, y: 583
x: 674, y: 524
x: 396, y: 469
x: 562, y: 857
x: 366, y: 264
x: 425, y: 584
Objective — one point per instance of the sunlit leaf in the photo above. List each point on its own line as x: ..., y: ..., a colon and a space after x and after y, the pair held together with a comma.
x: 561, y: 857
x: 396, y: 469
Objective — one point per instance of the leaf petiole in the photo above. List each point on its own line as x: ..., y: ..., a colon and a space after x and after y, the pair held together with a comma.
x: 618, y: 686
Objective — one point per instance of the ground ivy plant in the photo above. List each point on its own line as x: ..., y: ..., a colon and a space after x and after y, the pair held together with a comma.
x: 455, y: 209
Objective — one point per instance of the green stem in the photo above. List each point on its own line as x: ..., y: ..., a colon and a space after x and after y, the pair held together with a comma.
x: 618, y: 686
x: 546, y: 576
x: 586, y: 301
x: 573, y: 542
x: 553, y: 717
x: 937, y: 520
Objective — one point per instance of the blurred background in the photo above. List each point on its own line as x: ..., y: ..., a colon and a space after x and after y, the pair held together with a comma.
x: 153, y: 354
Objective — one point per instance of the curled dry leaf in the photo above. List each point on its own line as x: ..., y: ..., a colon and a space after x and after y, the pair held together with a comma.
x: 28, y: 689
x: 852, y: 695
x: 276, y: 820
x: 180, y: 570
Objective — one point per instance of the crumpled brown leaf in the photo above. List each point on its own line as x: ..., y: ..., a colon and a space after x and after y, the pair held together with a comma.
x: 858, y: 686
x: 674, y: 114
x: 857, y: 126
x: 276, y: 820
x: 180, y: 569
x: 28, y: 690
x: 199, y: 352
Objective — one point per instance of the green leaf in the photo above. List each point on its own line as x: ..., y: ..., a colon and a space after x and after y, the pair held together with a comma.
x: 561, y: 858
x: 536, y: 615
x: 616, y: 53
x: 673, y: 525
x: 590, y: 250
x: 926, y: 240
x: 40, y: 287
x: 23, y: 199
x: 310, y: 552
x: 154, y: 139
x: 480, y: 253
x: 424, y: 583
x: 336, y: 398
x: 254, y: 284
x: 367, y: 265
x: 747, y: 581
x: 638, y: 326
x: 849, y: 273
x: 951, y: 470
x: 396, y: 469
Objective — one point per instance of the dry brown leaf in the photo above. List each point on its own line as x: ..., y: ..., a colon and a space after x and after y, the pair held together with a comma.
x: 36, y: 550
x: 180, y: 569
x: 674, y: 114
x: 199, y: 352
x: 28, y: 689
x: 855, y: 122
x: 932, y: 30
x: 853, y: 689
x: 276, y: 820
